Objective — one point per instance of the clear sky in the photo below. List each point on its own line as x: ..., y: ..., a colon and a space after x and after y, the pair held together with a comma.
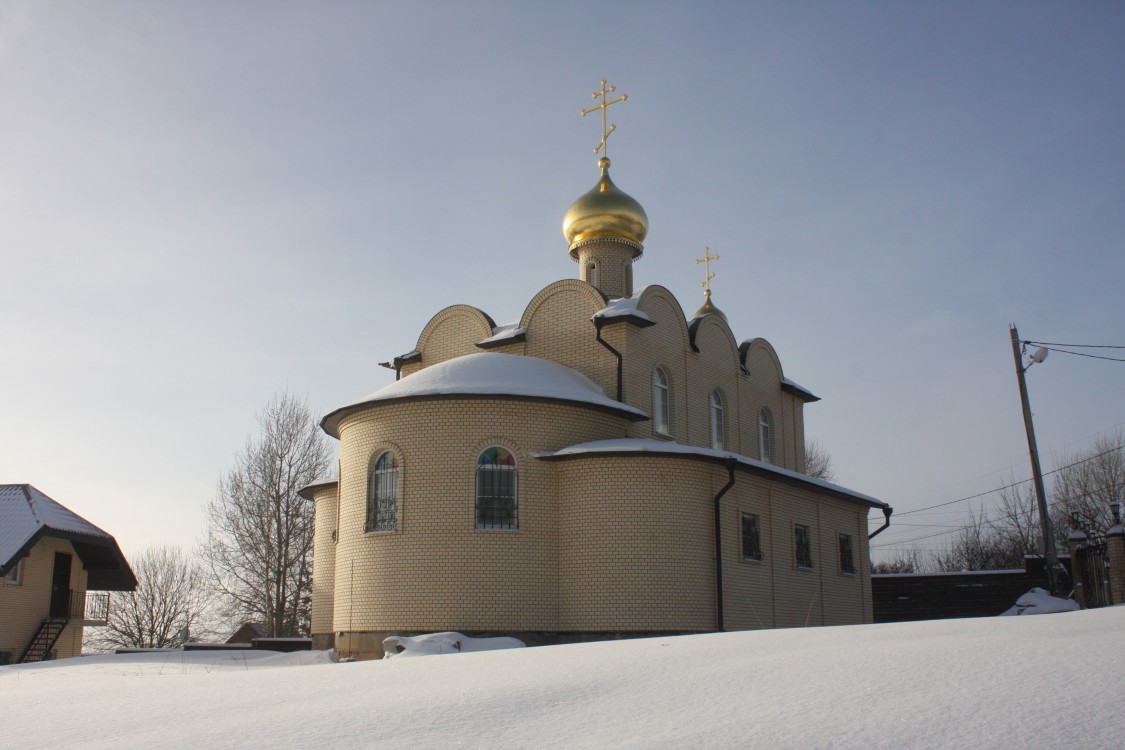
x: 204, y: 203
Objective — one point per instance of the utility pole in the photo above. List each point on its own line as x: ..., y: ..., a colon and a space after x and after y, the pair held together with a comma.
x: 1050, y: 559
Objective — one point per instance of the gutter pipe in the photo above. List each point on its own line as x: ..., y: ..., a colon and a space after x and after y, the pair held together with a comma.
x: 599, y: 321
x: 886, y: 515
x: 730, y: 463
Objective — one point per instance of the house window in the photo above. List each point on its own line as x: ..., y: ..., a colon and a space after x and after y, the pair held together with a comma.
x: 765, y: 436
x: 592, y: 273
x: 847, y: 560
x: 802, y: 542
x: 15, y: 575
x: 751, y: 537
x: 382, y: 504
x: 718, y: 424
x: 496, y: 489
x: 660, y: 410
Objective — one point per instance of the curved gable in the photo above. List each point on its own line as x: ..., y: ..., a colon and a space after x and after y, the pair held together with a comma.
x: 559, y: 327
x: 663, y: 307
x: 453, y: 332
x: 713, y: 339
x: 760, y: 360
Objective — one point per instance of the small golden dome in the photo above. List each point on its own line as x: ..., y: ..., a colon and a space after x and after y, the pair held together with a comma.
x: 709, y: 309
x: 605, y: 211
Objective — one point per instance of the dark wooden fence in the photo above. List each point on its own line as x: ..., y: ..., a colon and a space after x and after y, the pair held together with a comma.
x: 903, y: 597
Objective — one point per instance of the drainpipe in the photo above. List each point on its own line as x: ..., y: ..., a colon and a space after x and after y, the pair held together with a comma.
x: 887, y: 515
x: 599, y: 321
x: 730, y: 463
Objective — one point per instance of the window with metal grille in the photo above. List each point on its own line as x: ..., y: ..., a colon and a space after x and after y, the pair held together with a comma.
x: 847, y: 560
x: 382, y: 505
x: 802, y: 542
x: 661, y: 413
x: 496, y: 505
x: 751, y: 537
x: 718, y: 423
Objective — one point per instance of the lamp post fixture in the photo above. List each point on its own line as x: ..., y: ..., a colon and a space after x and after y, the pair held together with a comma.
x: 1051, y: 560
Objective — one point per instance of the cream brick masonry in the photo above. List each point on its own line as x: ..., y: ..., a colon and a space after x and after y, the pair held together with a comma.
x: 611, y: 538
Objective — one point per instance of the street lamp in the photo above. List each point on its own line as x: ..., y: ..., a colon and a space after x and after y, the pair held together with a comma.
x: 1050, y: 558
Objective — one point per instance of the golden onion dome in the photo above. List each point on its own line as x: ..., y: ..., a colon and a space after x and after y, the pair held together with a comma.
x: 605, y: 211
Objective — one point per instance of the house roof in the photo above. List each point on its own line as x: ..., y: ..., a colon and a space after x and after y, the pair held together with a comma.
x: 491, y: 374
x: 632, y: 446
x: 27, y: 515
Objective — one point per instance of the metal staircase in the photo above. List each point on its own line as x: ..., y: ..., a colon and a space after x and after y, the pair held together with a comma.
x: 44, y: 640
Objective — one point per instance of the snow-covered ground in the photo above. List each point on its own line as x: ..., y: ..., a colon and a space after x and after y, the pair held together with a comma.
x: 1005, y: 682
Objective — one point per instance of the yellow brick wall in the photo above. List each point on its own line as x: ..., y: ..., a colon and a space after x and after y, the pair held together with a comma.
x: 559, y: 328
x: 636, y: 539
x: 605, y: 544
x: 24, y: 607
x: 324, y: 560
x: 614, y: 267
x: 437, y: 571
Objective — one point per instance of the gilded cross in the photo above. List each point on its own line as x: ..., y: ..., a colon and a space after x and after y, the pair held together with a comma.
x: 706, y: 261
x: 603, y: 106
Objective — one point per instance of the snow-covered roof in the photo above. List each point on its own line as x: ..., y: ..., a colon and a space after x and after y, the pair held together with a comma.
x: 26, y: 515
x: 667, y: 447
x: 491, y: 374
x: 798, y: 390
x: 310, y: 489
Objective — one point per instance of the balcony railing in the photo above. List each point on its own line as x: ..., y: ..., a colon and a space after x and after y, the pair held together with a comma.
x: 89, y: 608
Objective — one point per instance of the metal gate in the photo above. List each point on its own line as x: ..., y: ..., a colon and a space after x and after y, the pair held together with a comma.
x: 1093, y: 574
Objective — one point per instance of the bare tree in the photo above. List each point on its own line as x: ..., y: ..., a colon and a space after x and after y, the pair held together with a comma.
x: 168, y: 603
x: 259, y: 537
x: 1091, y: 480
x: 818, y: 463
x: 999, y: 539
x: 907, y: 560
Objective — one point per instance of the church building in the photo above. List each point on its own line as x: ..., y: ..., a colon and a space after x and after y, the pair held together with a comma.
x: 603, y: 467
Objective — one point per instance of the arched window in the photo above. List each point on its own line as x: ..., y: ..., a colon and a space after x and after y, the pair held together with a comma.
x: 496, y: 489
x: 660, y: 408
x: 765, y: 436
x: 592, y: 273
x: 718, y: 425
x: 382, y: 502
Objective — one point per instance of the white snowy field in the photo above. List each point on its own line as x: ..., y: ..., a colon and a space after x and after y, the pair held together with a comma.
x: 1007, y: 682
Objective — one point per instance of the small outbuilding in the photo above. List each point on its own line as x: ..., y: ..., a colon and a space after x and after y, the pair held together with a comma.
x: 51, y: 562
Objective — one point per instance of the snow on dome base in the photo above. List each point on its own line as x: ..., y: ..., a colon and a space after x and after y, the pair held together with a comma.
x: 492, y: 374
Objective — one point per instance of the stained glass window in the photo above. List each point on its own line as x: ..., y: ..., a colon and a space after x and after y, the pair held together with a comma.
x: 496, y: 506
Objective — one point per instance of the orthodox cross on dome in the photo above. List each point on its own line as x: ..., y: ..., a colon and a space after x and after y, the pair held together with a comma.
x: 706, y: 261
x: 603, y: 106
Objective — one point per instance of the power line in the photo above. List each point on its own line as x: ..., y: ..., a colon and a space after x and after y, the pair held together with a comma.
x: 1083, y: 354
x: 1074, y: 346
x: 1013, y: 484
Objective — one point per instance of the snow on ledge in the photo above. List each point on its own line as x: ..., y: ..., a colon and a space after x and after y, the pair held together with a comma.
x: 624, y: 307
x: 443, y: 643
x: 648, y: 445
x: 504, y: 332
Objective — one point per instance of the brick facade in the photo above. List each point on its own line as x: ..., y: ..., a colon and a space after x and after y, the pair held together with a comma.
x: 607, y: 545
x: 24, y: 606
